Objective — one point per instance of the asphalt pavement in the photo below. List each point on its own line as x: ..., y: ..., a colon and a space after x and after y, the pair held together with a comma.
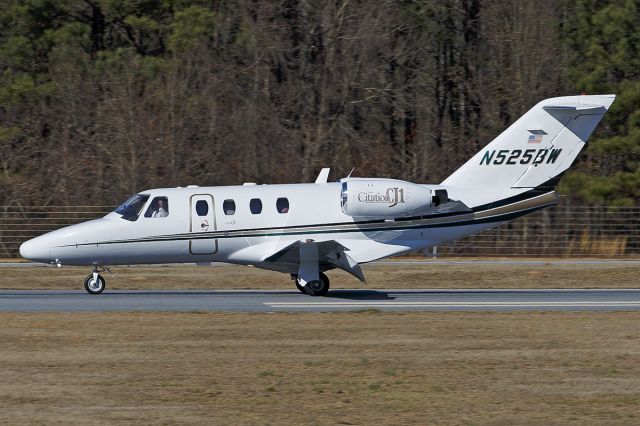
x: 337, y: 300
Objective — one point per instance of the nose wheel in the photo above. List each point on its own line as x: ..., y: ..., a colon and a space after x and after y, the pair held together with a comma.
x: 94, y: 283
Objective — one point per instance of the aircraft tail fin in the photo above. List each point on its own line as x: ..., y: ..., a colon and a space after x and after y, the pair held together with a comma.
x: 535, y: 150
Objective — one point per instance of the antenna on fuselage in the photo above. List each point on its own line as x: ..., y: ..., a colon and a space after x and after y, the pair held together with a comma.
x: 349, y: 175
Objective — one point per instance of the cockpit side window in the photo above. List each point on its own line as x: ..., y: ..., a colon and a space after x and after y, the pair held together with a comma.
x: 130, y: 209
x: 159, y: 207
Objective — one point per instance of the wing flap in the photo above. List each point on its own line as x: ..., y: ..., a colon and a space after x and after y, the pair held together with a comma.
x: 328, y: 253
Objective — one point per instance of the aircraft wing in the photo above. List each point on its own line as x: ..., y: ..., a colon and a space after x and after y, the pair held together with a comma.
x: 329, y: 253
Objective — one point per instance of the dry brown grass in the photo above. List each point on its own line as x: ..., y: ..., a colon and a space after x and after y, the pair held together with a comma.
x: 338, y: 368
x: 427, y: 275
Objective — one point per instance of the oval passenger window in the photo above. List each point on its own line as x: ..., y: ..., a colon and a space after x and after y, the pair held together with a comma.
x: 255, y: 205
x: 202, y: 207
x: 229, y: 207
x: 282, y: 205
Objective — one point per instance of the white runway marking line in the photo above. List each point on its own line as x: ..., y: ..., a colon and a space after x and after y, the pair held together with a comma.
x: 447, y: 304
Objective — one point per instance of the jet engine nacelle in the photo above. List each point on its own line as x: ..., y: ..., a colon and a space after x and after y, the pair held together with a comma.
x: 387, y: 198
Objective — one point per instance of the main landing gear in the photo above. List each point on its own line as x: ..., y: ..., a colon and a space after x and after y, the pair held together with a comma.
x: 95, y: 283
x: 315, y: 288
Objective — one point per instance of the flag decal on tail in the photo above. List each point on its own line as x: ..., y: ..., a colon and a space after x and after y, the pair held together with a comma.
x: 536, y: 136
x: 535, y: 139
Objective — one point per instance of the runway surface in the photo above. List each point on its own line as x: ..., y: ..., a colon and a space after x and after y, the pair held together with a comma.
x: 337, y: 300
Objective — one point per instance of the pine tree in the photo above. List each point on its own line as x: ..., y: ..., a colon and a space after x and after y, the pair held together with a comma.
x: 605, y: 42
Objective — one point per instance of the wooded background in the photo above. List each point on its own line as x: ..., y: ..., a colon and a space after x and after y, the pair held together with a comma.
x: 103, y: 98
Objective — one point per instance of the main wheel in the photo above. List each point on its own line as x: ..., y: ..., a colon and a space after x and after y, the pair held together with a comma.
x: 94, y: 286
x: 300, y: 288
x: 318, y: 288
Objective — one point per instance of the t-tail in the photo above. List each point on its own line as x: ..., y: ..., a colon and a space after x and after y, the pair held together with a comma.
x: 530, y: 156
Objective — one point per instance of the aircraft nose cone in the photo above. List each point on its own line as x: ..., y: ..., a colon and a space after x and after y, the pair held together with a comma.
x: 35, y: 249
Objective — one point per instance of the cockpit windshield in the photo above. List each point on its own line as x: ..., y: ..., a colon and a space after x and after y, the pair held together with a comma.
x: 130, y: 209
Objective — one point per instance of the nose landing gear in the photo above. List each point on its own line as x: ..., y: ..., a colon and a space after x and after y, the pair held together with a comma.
x: 95, y: 283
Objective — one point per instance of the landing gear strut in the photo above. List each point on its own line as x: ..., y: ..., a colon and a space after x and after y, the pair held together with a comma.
x: 315, y: 288
x: 94, y: 283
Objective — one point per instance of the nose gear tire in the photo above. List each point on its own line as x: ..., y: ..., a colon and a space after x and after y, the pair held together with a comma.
x: 94, y: 287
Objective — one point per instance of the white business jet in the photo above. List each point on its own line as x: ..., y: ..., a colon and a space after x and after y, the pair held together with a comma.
x: 310, y: 228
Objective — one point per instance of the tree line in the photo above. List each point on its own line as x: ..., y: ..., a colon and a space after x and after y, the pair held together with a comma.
x: 103, y: 98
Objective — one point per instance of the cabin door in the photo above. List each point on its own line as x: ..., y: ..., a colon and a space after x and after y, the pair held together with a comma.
x: 203, y: 223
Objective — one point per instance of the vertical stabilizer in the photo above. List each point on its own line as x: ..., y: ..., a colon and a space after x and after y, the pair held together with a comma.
x: 533, y: 151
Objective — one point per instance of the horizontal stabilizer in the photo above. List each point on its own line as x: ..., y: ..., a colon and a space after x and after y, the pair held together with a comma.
x: 575, y: 107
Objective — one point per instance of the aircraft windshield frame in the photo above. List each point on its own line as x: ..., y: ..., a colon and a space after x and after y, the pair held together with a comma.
x: 130, y: 210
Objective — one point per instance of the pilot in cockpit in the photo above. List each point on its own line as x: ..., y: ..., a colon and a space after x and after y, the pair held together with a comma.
x: 158, y: 208
x: 161, y: 210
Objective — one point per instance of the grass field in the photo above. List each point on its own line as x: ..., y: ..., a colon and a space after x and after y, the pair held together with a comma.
x: 338, y: 368
x: 428, y: 274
